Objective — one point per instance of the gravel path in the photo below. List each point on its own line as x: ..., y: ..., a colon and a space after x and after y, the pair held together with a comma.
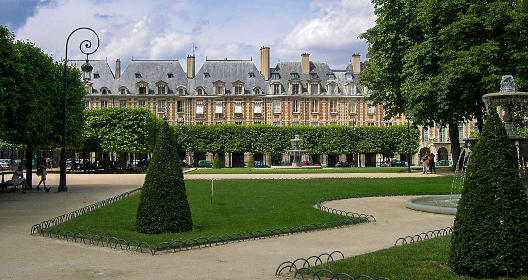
x: 30, y: 257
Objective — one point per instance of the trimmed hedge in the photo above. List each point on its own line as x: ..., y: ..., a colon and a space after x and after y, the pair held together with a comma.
x: 216, y: 161
x: 251, y: 161
x: 163, y: 205
x: 489, y: 234
x: 267, y: 139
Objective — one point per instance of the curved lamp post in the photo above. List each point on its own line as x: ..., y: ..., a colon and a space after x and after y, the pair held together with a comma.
x: 86, y: 48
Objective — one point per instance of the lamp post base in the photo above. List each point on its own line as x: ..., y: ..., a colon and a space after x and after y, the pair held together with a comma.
x: 62, y: 189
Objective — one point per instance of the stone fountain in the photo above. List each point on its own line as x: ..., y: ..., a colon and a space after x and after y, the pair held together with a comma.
x: 296, y: 152
x: 513, y: 105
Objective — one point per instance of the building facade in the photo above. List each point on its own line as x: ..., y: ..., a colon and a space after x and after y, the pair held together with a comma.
x: 302, y: 92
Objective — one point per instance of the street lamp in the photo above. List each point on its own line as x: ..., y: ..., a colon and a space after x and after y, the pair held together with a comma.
x: 408, y: 147
x: 85, y: 46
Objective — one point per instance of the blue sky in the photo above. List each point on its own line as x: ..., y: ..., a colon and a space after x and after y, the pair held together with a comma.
x: 166, y: 29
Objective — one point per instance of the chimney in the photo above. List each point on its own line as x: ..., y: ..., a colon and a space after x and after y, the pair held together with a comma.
x: 305, y: 63
x: 118, y: 69
x: 356, y: 63
x: 265, y: 62
x: 190, y: 66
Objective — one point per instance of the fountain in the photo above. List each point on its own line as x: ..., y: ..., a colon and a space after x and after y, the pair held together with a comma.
x: 296, y: 152
x: 514, y: 105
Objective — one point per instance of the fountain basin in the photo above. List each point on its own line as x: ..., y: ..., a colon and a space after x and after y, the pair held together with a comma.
x: 439, y: 204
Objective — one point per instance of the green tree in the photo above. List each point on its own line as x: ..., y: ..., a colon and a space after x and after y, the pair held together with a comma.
x: 251, y: 162
x: 216, y: 161
x: 489, y: 234
x: 163, y: 205
x: 9, y: 69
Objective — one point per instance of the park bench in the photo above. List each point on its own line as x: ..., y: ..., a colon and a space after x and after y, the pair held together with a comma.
x: 9, y: 183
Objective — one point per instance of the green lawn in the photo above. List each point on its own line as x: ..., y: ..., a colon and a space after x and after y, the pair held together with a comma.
x: 243, y: 170
x: 422, y: 260
x: 250, y: 205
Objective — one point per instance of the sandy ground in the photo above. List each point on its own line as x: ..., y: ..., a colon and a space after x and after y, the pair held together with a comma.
x: 23, y: 256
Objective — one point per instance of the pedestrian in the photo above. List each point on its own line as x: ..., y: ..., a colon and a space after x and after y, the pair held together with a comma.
x: 18, y: 178
x: 42, y: 172
x: 425, y: 160
x: 432, y: 167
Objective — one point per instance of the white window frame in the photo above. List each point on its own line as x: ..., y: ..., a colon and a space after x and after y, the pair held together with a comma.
x: 258, y: 108
x: 161, y: 106
x: 104, y: 104
x: 122, y: 103
x: 352, y: 107
x: 276, y: 106
x: 315, y: 106
x: 219, y: 108
x: 199, y: 109
x: 180, y: 106
x: 142, y: 103
x: 333, y: 106
x: 276, y: 89
x: 371, y: 110
x: 296, y: 108
x: 295, y: 92
x: 238, y: 108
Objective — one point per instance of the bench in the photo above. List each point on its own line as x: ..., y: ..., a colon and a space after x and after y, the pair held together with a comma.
x: 9, y: 183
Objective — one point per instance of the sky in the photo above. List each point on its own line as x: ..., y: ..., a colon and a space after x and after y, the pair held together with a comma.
x: 167, y: 29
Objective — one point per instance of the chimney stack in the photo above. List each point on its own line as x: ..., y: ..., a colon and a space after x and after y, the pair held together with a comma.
x: 356, y: 63
x: 118, y: 69
x: 190, y: 66
x: 265, y: 62
x: 305, y: 63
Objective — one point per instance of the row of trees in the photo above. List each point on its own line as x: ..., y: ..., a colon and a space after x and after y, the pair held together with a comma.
x: 432, y: 60
x: 31, y: 90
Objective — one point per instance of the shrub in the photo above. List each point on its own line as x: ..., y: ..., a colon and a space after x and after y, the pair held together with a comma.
x: 216, y: 161
x: 489, y: 234
x: 251, y: 162
x: 163, y: 205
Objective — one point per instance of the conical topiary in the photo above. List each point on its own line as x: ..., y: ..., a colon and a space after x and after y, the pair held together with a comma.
x: 251, y: 162
x: 216, y: 161
x: 489, y: 235
x: 163, y: 205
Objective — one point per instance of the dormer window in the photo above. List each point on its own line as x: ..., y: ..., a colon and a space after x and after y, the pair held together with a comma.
x: 251, y: 75
x: 138, y: 76
x: 349, y: 76
x: 161, y: 89
x: 206, y: 75
x: 219, y: 90
x: 199, y: 91
x: 294, y: 75
x: 275, y: 76
x: 295, y: 89
x: 314, y: 76
x: 181, y: 91
x: 123, y: 91
x: 142, y: 90
x: 104, y: 91
x: 96, y: 76
x: 332, y: 89
x: 258, y: 91
x: 238, y: 90
x: 331, y: 76
x: 170, y: 75
x: 314, y: 88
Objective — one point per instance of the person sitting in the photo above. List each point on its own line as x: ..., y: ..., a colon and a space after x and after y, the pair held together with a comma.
x: 18, y: 178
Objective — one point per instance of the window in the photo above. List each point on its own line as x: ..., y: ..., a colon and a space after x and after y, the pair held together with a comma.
x: 199, y: 91
x: 460, y: 131
x: 123, y: 91
x: 181, y: 91
x: 218, y: 122
x: 295, y: 105
x: 87, y: 104
x: 141, y: 103
x: 332, y: 89
x: 238, y: 108
x: 294, y: 75
x: 333, y: 123
x: 295, y: 89
x: 276, y: 123
x: 348, y: 76
x: 96, y: 76
x: 238, y: 90
x: 352, y: 107
x: 276, y: 89
x: 199, y: 109
x: 170, y: 75
x: 350, y: 89
x: 238, y: 122
x: 142, y: 90
x: 257, y: 91
x: 295, y: 123
x: 161, y: 89
x: 276, y: 106
x: 104, y: 103
x: 122, y: 103
x: 258, y: 108
x: 315, y: 124
x: 104, y: 91
x: 333, y: 106
x: 315, y: 106
x: 388, y: 124
x: 275, y: 76
x: 442, y: 134
x: 138, y: 76
x: 370, y: 124
x: 315, y: 88
x: 219, y: 108
x: 352, y: 123
x: 180, y: 105
x: 331, y: 76
x: 206, y: 75
x: 314, y: 76
x: 371, y: 110
x: 199, y: 123
x: 161, y: 106
x: 257, y: 122
x: 251, y: 75
x: 219, y: 89
x: 359, y: 90
x: 425, y: 134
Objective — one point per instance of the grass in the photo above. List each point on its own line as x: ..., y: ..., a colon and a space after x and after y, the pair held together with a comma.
x: 244, y: 170
x: 422, y: 260
x: 250, y: 205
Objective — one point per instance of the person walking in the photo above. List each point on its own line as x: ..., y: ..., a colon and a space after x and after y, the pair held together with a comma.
x: 432, y: 167
x: 42, y: 172
x: 425, y: 161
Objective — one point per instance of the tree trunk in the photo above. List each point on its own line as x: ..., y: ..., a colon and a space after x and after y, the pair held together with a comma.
x: 480, y: 122
x: 455, y: 143
x: 29, y: 163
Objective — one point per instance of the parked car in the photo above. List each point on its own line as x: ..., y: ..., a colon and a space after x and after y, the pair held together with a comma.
x: 259, y: 164
x: 204, y: 163
x: 398, y: 163
x: 343, y: 164
x: 5, y: 164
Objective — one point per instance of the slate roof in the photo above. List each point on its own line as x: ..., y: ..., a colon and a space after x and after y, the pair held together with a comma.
x: 228, y: 71
x: 100, y: 67
x: 153, y: 71
x: 318, y: 70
